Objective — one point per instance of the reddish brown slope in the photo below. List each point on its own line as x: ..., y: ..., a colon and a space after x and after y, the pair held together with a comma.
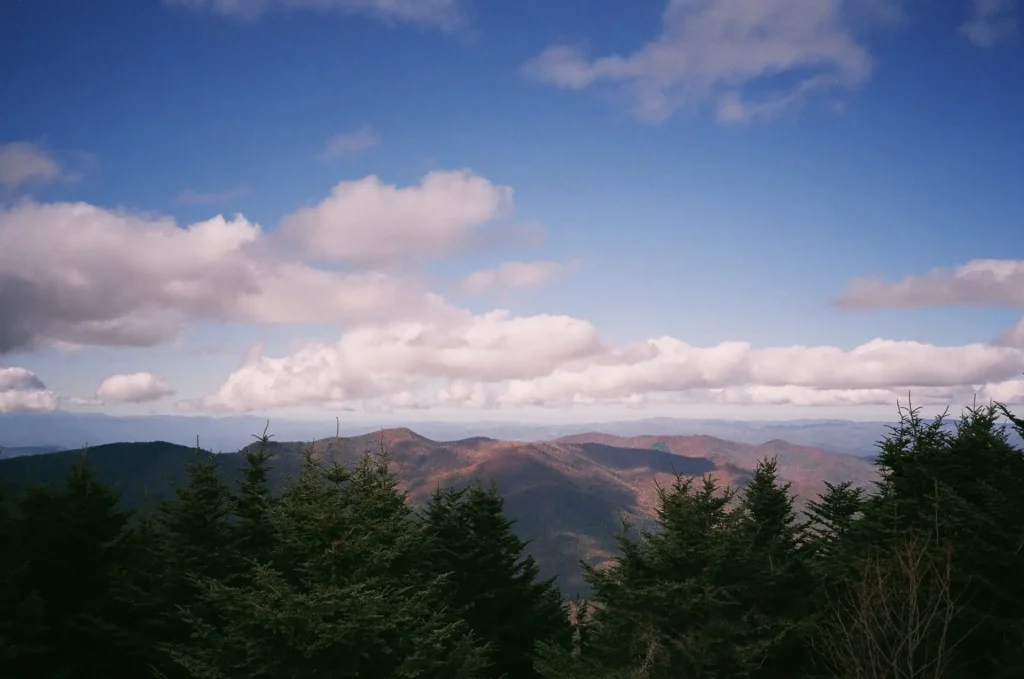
x: 567, y: 495
x: 805, y: 467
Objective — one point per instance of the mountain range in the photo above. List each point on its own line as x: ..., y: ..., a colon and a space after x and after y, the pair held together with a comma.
x: 62, y: 430
x: 567, y: 494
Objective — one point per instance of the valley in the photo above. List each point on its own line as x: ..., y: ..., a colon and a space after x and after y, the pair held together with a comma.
x: 566, y: 495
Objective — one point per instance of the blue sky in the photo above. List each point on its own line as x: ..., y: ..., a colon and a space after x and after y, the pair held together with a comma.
x: 728, y: 182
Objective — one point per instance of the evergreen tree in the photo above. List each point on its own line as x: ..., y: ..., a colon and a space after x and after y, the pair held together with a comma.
x: 192, y: 540
x: 491, y: 583
x: 830, y: 518
x: 957, y: 496
x: 771, y: 576
x: 668, y: 606
x: 73, y: 540
x: 253, y: 503
x: 344, y: 595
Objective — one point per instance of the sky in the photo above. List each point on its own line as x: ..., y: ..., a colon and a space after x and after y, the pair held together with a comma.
x: 535, y: 210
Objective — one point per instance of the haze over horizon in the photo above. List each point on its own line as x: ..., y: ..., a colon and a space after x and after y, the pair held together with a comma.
x: 452, y: 210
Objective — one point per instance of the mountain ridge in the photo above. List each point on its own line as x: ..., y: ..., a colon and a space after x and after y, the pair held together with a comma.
x: 566, y: 495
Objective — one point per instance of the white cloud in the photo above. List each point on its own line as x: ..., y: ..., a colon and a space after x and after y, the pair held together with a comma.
x: 133, y: 388
x: 496, y: 360
x: 991, y: 21
x: 441, y: 14
x: 351, y: 144
x: 1007, y: 393
x: 383, y: 361
x: 22, y: 162
x: 22, y: 391
x: 980, y: 282
x: 670, y: 365
x: 123, y: 279
x: 516, y: 275
x: 368, y: 220
x: 197, y: 197
x: 720, y: 51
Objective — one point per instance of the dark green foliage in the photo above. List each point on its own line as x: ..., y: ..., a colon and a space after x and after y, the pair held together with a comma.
x: 70, y: 549
x: 489, y: 582
x: 340, y: 593
x: 334, y: 574
x: 254, y: 503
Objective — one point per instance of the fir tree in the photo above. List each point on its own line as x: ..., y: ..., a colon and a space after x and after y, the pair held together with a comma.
x: 490, y: 582
x: 771, y: 575
x: 253, y: 503
x: 343, y: 596
x: 192, y: 541
x: 73, y: 541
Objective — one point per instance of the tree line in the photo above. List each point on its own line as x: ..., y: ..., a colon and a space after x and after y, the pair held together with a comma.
x: 337, y: 575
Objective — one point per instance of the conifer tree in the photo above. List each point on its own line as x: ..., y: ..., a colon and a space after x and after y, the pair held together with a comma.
x: 192, y: 541
x: 490, y: 582
x: 956, y: 495
x: 253, y: 503
x: 343, y: 596
x: 668, y: 605
x: 771, y: 576
x: 73, y: 541
x: 830, y: 518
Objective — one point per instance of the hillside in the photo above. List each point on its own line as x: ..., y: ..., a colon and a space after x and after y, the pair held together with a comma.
x: 566, y: 495
x: 806, y: 467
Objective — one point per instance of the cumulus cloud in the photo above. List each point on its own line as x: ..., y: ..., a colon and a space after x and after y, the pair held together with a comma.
x: 351, y: 144
x: 1007, y: 393
x: 22, y: 391
x: 22, y: 162
x: 198, y: 197
x: 991, y: 21
x: 123, y: 279
x: 721, y: 51
x: 368, y: 220
x: 133, y: 388
x: 496, y: 360
x: 383, y: 361
x: 441, y: 14
x: 516, y: 275
x: 981, y: 282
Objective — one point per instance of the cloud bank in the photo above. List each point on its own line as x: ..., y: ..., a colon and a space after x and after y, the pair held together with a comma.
x: 228, y: 269
x: 400, y: 345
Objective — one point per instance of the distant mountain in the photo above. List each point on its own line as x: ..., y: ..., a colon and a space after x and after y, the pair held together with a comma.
x: 26, y: 450
x: 566, y: 495
x: 63, y: 430
x: 806, y: 467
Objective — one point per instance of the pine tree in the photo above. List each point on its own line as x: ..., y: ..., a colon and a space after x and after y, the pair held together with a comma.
x: 491, y: 583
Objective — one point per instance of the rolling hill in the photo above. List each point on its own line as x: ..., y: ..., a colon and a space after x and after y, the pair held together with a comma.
x: 567, y: 495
